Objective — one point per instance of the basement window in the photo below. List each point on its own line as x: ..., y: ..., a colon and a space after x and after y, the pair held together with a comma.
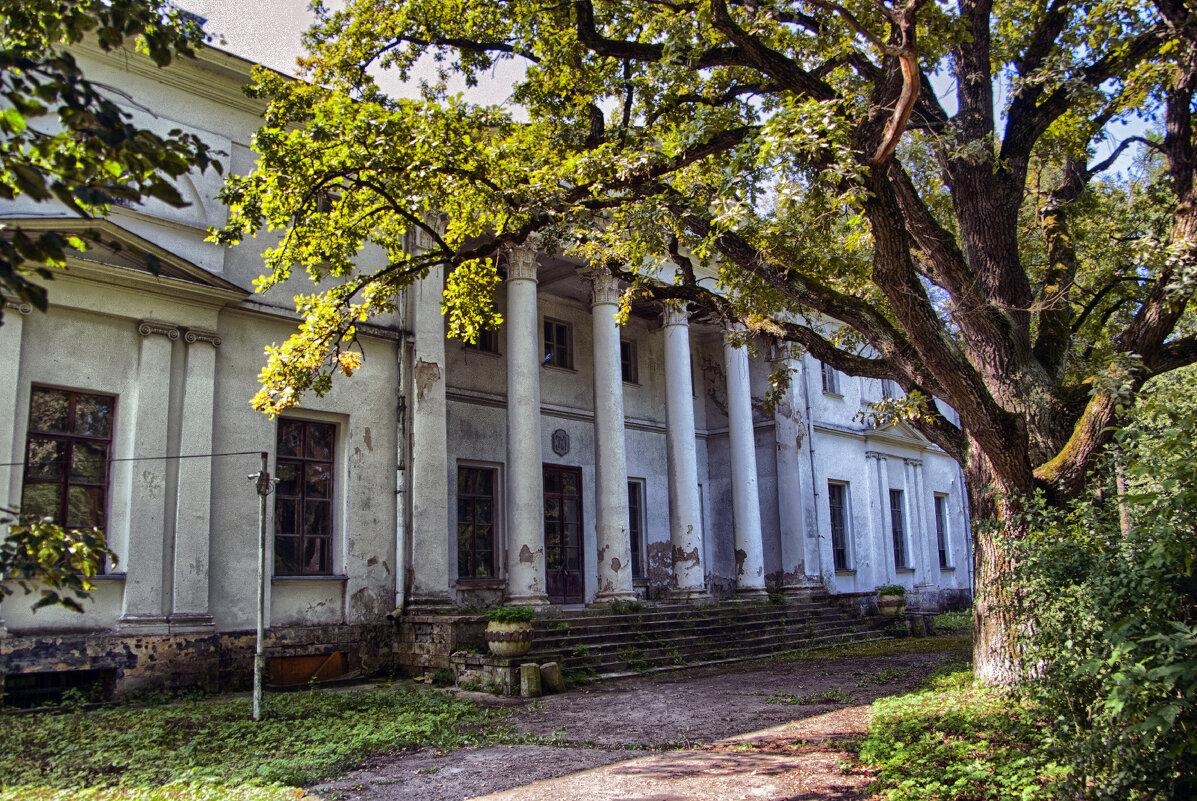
x: 33, y: 690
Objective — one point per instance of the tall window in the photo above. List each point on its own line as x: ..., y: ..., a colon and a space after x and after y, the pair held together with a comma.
x: 476, y: 488
x: 66, y: 457
x: 303, y: 500
x: 890, y: 389
x: 558, y: 345
x: 636, y: 525
x: 488, y: 341
x: 898, y: 526
x: 628, y: 363
x: 941, y: 528
x: 838, y: 502
x: 831, y: 380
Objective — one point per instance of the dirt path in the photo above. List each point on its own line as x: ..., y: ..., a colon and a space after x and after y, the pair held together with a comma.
x: 672, y: 737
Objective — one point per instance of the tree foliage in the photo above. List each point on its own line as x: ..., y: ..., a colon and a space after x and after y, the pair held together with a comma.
x: 64, y: 138
x: 57, y: 562
x: 923, y: 175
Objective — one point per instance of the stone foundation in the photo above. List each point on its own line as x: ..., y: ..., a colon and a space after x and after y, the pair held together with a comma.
x: 425, y: 642
x: 486, y: 672
x: 170, y: 662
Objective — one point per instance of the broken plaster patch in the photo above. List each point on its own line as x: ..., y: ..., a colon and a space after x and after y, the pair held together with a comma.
x: 427, y: 374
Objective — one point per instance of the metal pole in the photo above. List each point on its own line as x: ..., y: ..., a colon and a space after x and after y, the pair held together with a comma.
x: 265, y: 485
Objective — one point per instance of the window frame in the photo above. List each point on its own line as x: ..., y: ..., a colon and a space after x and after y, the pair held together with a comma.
x: 629, y: 368
x: 488, y: 342
x: 845, y: 546
x: 940, y: 504
x: 831, y: 379
x: 553, y: 349
x: 638, y: 550
x: 71, y: 438
x: 496, y: 521
x: 331, y: 500
x: 897, y: 527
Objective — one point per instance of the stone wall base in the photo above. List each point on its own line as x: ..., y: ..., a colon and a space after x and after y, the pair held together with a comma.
x: 171, y: 662
x: 425, y: 642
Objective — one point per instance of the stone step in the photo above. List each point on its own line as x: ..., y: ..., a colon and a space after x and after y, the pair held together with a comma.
x: 625, y: 623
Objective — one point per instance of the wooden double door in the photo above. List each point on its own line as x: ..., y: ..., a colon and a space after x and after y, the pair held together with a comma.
x: 564, y: 579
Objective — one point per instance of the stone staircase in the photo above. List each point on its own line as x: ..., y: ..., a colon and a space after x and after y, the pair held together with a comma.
x: 594, y: 645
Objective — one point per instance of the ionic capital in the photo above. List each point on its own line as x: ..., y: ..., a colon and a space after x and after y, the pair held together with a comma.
x: 150, y: 327
x: 19, y: 306
x: 195, y: 335
x: 881, y: 457
x: 915, y: 463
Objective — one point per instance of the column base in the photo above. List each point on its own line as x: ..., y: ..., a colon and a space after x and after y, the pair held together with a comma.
x: 535, y: 600
x: 751, y: 592
x: 689, y: 595
x: 428, y: 602
x: 143, y: 624
x: 623, y: 596
x: 191, y: 623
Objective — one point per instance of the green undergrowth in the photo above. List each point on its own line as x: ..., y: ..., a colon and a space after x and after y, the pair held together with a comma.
x: 956, y: 741
x: 210, y: 749
x: 908, y: 645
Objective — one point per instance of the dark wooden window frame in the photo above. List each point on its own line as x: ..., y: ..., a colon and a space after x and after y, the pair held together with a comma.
x: 471, y: 574
x: 941, y: 529
x: 558, y: 343
x: 897, y: 522
x: 629, y: 361
x: 69, y: 440
x: 831, y: 379
x: 327, y: 557
x: 636, y: 527
x: 488, y: 342
x: 839, y: 528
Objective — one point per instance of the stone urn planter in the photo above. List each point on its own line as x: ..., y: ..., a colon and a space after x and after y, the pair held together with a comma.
x: 891, y: 599
x: 509, y: 630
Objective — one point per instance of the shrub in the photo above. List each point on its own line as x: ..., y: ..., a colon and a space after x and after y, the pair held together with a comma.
x: 511, y: 614
x: 891, y: 589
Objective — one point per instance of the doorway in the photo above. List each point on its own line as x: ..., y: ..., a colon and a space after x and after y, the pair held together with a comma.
x: 564, y: 581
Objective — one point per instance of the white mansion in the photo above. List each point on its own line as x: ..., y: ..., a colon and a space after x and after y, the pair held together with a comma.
x: 562, y: 460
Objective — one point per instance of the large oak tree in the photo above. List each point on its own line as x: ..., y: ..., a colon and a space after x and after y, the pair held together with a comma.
x: 925, y: 176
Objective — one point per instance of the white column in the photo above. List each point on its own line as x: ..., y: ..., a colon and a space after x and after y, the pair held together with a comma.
x: 789, y: 431
x: 685, y: 514
x: 10, y: 372
x: 746, y: 506
x: 430, y: 440
x: 143, y: 608
x: 611, y: 463
x: 193, y: 524
x: 920, y: 504
x: 886, y: 569
x: 525, y: 473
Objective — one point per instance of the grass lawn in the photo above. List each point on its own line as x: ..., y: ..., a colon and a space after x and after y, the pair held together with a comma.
x: 210, y: 750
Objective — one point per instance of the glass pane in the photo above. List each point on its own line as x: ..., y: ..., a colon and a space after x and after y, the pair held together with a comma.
x: 486, y: 480
x: 93, y: 416
x: 463, y: 481
x: 319, y: 481
x: 48, y: 410
x: 485, y: 540
x: 289, y: 433
x: 553, y: 558
x: 572, y: 562
x: 89, y: 462
x: 465, y: 511
x: 286, y: 516
x: 42, y: 500
x: 288, y: 480
x: 485, y: 567
x: 552, y: 509
x: 45, y: 459
x: 315, y: 555
x: 320, y: 441
x: 552, y: 481
x: 85, y: 507
x: 286, y: 552
x: 463, y: 559
x: 571, y: 512
x: 317, y: 518
x: 571, y: 535
x: 569, y: 484
x: 482, y: 510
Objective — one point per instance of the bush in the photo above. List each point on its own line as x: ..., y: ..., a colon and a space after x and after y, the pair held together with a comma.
x: 511, y: 614
x: 891, y: 589
x: 1108, y: 645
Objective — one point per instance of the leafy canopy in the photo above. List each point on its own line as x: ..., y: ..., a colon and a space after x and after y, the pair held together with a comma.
x: 63, y: 137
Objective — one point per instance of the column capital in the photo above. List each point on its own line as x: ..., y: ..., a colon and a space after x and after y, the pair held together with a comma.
x: 194, y: 335
x: 881, y: 457
x: 521, y: 262
x: 150, y: 327
x: 913, y: 462
x: 674, y: 312
x: 604, y: 287
x: 20, y: 306
x: 435, y: 220
x: 782, y: 352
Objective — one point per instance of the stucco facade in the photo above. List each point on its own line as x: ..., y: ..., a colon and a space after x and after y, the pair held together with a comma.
x: 676, y: 451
